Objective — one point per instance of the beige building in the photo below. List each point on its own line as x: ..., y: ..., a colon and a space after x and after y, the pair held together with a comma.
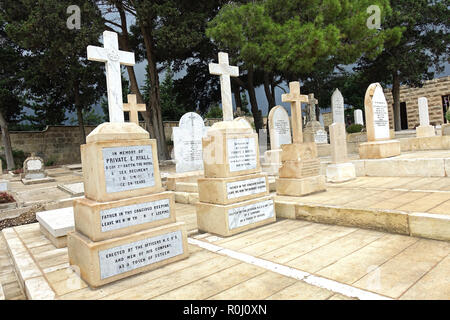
x: 437, y: 91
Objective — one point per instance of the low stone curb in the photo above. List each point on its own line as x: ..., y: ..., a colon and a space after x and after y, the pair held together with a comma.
x: 424, y: 225
x: 31, y: 279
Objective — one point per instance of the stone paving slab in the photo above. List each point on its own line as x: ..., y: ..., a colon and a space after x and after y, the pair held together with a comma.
x: 319, y: 262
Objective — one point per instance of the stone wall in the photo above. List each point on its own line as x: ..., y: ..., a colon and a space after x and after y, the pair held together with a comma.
x: 433, y: 90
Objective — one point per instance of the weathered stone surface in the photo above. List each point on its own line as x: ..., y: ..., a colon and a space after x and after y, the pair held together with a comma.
x: 432, y: 226
x: 379, y: 149
x: 377, y: 117
x: 338, y: 142
x: 405, y: 168
x: 341, y: 172
x: 300, y: 169
x: 279, y: 127
x: 105, y: 220
x: 110, y: 260
x: 300, y: 187
x: 299, y: 151
x: 57, y: 222
x: 232, y: 190
x: 227, y: 220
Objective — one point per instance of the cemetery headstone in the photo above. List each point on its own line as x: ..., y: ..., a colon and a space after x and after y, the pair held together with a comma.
x: 340, y: 170
x: 187, y: 142
x: 299, y: 173
x: 234, y: 195
x: 280, y: 133
x: 34, y: 171
x: 424, y: 129
x: 358, y: 114
x: 379, y: 144
x: 125, y: 214
x: 314, y: 131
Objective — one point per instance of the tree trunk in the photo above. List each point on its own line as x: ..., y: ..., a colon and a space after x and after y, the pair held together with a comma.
x: 257, y: 117
x: 79, y: 113
x: 6, y: 139
x: 125, y: 44
x: 396, y: 98
x: 237, y: 98
x: 154, y: 109
x: 268, y: 91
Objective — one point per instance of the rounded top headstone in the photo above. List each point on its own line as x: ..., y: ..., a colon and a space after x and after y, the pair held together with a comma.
x: 191, y: 120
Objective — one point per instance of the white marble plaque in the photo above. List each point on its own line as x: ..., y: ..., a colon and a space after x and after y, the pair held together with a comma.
x: 139, y: 254
x: 241, y: 154
x: 246, y: 187
x: 34, y: 165
x: 380, y: 114
x: 128, y: 168
x: 126, y: 216
x: 252, y: 213
x: 337, y: 106
x: 321, y: 137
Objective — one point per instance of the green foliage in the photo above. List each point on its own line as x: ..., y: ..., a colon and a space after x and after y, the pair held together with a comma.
x: 354, y: 128
x: 214, y: 113
x: 244, y: 102
x: 51, y: 161
x: 447, y: 115
x: 171, y: 110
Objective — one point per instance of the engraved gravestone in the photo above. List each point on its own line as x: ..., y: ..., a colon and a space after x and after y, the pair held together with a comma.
x: 359, y: 117
x: 33, y: 168
x: 321, y: 137
x: 337, y: 107
x: 380, y: 115
x: 187, y: 141
x: 423, y: 111
x: 242, y: 154
x: 279, y: 128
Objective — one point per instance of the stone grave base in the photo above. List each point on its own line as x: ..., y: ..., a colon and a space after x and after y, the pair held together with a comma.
x: 99, y: 263
x: 227, y: 220
x: 271, y: 168
x: 300, y: 187
x: 379, y: 149
x: 425, y: 143
x: 425, y: 131
x: 74, y: 189
x: 425, y: 225
x: 188, y: 177
x: 215, y: 190
x: 37, y: 181
x: 56, y: 224
x: 341, y: 172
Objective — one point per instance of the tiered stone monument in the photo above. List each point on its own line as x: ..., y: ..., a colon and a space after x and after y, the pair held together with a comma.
x: 340, y: 170
x: 125, y: 224
x: 379, y: 143
x: 280, y: 133
x: 34, y: 171
x: 187, y: 142
x: 314, y: 131
x: 358, y: 114
x: 299, y: 174
x: 424, y: 129
x: 234, y: 195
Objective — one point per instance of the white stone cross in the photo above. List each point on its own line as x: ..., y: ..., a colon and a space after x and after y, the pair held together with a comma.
x: 312, y: 107
x: 296, y: 99
x: 225, y: 71
x: 113, y: 58
x: 133, y: 108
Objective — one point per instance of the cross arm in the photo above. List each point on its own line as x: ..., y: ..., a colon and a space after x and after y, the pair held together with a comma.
x: 220, y: 69
x: 127, y: 58
x: 96, y: 54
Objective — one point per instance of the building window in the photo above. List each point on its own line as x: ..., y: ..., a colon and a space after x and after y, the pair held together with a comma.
x: 445, y: 105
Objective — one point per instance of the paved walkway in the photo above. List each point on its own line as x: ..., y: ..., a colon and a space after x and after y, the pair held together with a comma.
x: 289, y: 259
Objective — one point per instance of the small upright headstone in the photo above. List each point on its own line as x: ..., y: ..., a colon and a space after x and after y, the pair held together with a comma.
x: 187, y: 142
x: 279, y: 128
x: 337, y: 107
x: 425, y: 129
x: 314, y: 131
x: 280, y: 134
x: 34, y: 171
x: 340, y: 170
x: 379, y: 144
x: 359, y: 117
